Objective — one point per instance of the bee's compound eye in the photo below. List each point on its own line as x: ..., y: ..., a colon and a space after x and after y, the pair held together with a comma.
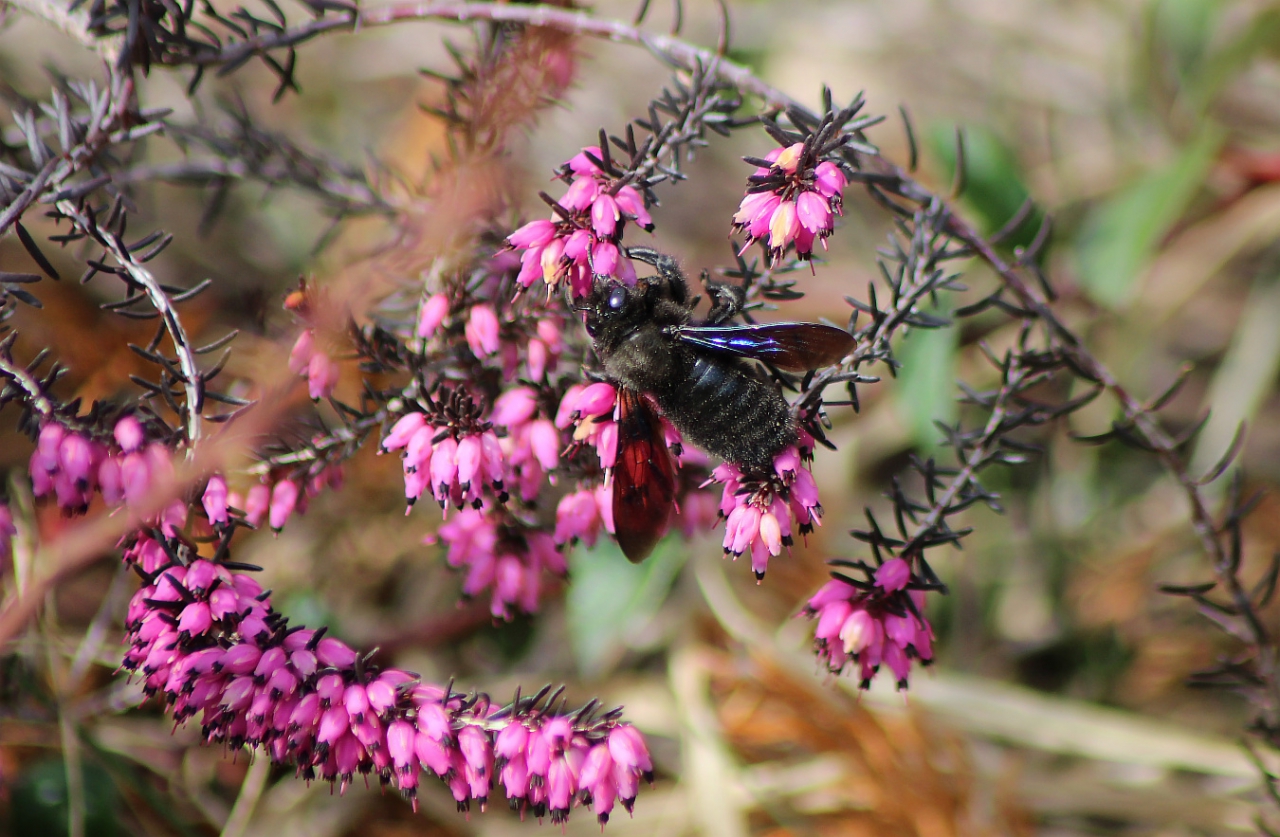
x: 617, y: 298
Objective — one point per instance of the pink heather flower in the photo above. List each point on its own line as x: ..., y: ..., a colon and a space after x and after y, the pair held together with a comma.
x: 586, y: 243
x: 829, y: 180
x: 284, y: 499
x: 215, y: 500
x: 402, y: 431
x: 870, y: 624
x: 256, y: 504
x: 893, y: 575
x: 578, y: 518
x: 300, y: 354
x: 631, y: 204
x: 435, y: 310
x: 814, y: 213
x: 788, y: 158
x: 605, y: 215
x: 795, y: 203
x: 322, y: 376
x: 761, y: 512
x: 75, y: 457
x: 129, y: 434
x: 580, y: 164
x: 512, y: 570
x: 515, y: 407
x: 783, y: 226
x: 482, y: 331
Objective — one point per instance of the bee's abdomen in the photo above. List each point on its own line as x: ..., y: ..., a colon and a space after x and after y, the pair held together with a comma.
x: 725, y: 410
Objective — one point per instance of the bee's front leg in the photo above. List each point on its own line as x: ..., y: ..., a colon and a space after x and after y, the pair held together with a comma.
x: 727, y: 301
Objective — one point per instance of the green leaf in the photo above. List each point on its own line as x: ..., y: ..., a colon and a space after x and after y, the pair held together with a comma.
x: 1185, y: 28
x: 39, y: 801
x: 994, y: 188
x: 1120, y: 236
x: 610, y: 599
x: 1260, y: 37
x: 926, y: 382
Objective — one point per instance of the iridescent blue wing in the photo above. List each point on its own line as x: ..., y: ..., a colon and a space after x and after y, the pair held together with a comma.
x: 795, y: 347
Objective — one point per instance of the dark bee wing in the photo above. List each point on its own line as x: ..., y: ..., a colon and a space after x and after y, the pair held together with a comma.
x: 644, y: 481
x: 795, y: 347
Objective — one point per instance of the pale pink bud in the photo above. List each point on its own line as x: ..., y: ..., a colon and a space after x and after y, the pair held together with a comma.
x: 545, y: 442
x: 417, y: 456
x: 860, y: 631
x: 322, y: 376
x: 110, y: 481
x: 256, y: 503
x: 604, y: 258
x: 135, y: 474
x: 284, y: 498
x: 435, y: 310
x: 514, y: 407
x: 580, y: 195
x: 533, y: 234
x: 75, y: 455
x: 403, y: 430
x: 627, y: 748
x: 550, y: 260
x: 771, y: 532
x: 596, y: 400
x: 482, y: 331
x: 631, y: 203
x: 604, y: 217
x: 829, y: 180
x: 47, y: 446
x: 790, y: 158
x: 215, y: 500
x: 581, y: 165
x: 129, y: 434
x: 469, y: 459
x: 783, y: 225
x: 335, y: 653
x: 814, y: 213
x: 893, y: 575
x: 537, y: 358
x: 300, y: 354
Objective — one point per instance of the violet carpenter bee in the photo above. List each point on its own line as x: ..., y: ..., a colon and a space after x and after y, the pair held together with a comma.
x: 700, y: 380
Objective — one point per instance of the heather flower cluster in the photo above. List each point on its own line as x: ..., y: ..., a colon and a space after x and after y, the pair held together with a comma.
x: 71, y: 466
x: 762, y: 512
x: 793, y: 200
x: 868, y: 623
x: 205, y: 638
x: 583, y: 236
x: 451, y: 451
x: 307, y: 358
x: 501, y: 555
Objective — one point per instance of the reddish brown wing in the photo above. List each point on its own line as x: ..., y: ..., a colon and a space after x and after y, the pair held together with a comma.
x: 795, y: 347
x: 644, y: 481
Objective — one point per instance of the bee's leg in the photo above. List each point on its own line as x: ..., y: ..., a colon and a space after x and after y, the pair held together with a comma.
x: 727, y: 301
x: 669, y: 273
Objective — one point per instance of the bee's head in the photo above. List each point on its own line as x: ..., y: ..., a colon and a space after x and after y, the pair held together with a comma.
x: 612, y: 304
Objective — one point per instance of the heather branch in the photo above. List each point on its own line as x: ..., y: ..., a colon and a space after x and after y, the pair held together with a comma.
x: 1015, y: 380
x: 192, y: 379
x: 108, y: 125
x: 350, y: 435
x: 34, y: 393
